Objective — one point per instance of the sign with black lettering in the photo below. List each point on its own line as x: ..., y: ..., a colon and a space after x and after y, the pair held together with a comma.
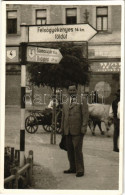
x: 45, y: 55
x: 74, y: 32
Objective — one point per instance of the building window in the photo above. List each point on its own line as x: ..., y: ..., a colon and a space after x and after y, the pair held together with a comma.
x: 41, y: 17
x: 102, y: 18
x: 11, y: 22
x: 71, y: 16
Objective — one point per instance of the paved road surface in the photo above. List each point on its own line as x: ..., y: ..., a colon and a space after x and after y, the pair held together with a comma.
x: 101, y: 163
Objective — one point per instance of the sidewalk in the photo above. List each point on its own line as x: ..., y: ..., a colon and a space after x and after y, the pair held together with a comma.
x: 101, y: 163
x: 101, y: 167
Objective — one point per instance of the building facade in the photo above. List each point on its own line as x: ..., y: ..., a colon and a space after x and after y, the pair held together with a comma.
x: 104, y: 49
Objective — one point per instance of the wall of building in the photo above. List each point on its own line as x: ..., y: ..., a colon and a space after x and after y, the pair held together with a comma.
x: 57, y: 15
x: 13, y: 89
x: 103, y: 48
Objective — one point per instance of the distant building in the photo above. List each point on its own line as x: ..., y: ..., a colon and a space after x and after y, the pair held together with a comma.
x: 104, y: 49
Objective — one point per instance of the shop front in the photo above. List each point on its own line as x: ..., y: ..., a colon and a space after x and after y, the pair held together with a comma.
x: 104, y: 79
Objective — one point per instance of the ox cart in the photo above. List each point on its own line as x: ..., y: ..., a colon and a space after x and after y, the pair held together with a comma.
x: 44, y: 118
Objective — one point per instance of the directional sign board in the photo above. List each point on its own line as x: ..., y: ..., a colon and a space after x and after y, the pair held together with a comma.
x: 59, y: 33
x: 45, y: 55
x: 12, y: 54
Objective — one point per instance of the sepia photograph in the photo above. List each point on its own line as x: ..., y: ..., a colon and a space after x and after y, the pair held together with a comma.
x: 63, y: 123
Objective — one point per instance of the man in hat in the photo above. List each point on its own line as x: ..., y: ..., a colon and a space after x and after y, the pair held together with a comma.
x: 116, y: 121
x: 74, y: 127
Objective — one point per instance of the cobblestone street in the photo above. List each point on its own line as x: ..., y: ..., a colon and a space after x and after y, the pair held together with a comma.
x: 101, y: 163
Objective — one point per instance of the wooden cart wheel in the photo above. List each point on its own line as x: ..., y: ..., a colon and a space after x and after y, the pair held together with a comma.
x: 47, y: 128
x: 31, y: 124
x: 58, y: 124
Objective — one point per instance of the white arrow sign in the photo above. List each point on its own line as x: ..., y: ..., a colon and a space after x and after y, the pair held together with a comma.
x: 59, y: 33
x: 45, y: 55
x: 11, y: 54
x: 31, y: 52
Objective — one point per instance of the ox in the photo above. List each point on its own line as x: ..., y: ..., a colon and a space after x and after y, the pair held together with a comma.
x: 99, y: 113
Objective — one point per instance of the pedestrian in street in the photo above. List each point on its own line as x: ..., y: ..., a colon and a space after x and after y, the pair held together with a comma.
x: 95, y: 97
x: 74, y: 127
x: 118, y: 110
x: 116, y: 121
x: 57, y: 99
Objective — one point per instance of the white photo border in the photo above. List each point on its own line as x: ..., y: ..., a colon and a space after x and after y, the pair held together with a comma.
x: 2, y: 100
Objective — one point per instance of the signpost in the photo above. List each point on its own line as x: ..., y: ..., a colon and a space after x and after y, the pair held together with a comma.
x: 61, y: 33
x: 44, y: 34
x: 44, y: 55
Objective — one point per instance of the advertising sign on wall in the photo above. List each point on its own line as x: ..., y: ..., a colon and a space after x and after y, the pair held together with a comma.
x: 106, y: 67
